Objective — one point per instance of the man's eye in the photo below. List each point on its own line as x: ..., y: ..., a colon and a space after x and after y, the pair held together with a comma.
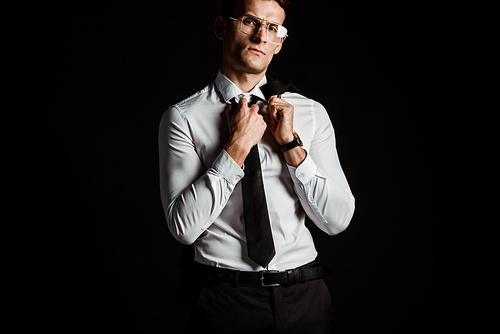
x: 273, y: 28
x: 249, y: 22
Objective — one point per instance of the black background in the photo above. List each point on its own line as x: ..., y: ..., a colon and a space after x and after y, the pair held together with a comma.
x: 87, y: 85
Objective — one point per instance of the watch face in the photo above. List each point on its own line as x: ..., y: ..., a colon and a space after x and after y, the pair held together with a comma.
x: 297, y: 138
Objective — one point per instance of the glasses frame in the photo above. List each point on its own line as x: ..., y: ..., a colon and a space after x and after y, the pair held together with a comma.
x: 260, y: 27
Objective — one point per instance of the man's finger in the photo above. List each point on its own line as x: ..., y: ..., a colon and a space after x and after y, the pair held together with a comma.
x: 273, y: 112
x: 274, y: 97
x: 255, y: 107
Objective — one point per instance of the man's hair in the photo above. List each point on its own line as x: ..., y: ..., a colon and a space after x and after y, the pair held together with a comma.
x: 228, y: 6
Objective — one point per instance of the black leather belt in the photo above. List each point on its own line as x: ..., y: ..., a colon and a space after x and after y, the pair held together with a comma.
x: 264, y: 278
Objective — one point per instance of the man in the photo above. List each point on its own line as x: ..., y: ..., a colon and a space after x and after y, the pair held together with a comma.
x: 206, y: 143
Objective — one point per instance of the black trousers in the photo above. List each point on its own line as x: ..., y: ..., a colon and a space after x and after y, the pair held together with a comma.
x: 298, y: 308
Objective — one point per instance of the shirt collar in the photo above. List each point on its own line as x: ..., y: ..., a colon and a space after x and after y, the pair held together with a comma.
x: 229, y: 90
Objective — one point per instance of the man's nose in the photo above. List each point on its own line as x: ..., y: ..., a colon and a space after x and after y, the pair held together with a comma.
x: 261, y: 34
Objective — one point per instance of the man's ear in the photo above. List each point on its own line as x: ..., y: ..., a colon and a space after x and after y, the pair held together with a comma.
x: 278, y: 49
x: 220, y: 27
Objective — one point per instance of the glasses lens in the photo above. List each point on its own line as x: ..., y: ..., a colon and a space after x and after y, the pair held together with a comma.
x: 251, y: 26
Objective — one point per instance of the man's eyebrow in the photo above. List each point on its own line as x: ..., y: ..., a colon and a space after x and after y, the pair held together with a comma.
x: 246, y: 14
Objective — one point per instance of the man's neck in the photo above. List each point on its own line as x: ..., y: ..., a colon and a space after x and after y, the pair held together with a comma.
x: 245, y: 81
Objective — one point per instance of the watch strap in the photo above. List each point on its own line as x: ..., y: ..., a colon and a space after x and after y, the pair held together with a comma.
x: 294, y: 143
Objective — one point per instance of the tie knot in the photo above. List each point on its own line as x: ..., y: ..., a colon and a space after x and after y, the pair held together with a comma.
x: 251, y: 99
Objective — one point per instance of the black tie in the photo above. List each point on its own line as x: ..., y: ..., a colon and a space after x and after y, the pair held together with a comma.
x: 258, y: 228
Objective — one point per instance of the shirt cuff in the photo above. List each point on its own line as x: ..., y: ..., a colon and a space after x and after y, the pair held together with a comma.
x: 304, y: 172
x: 228, y: 168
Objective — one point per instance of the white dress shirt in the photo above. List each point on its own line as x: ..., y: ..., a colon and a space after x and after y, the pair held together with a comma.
x: 201, y: 192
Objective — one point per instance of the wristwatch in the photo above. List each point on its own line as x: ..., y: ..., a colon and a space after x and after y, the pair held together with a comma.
x: 294, y: 143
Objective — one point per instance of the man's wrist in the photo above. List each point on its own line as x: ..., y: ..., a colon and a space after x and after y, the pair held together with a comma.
x: 291, y: 144
x: 237, y: 152
x: 286, y: 140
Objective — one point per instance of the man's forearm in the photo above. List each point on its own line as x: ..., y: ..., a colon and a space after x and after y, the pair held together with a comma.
x: 196, y: 208
x: 295, y: 156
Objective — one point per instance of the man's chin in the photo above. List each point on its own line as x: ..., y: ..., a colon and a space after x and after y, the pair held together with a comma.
x: 254, y: 68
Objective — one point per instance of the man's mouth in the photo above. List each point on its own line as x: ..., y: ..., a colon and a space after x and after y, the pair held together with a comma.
x: 257, y: 51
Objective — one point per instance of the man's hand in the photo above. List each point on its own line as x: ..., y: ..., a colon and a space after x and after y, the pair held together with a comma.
x: 281, y: 119
x: 246, y: 128
x: 281, y: 126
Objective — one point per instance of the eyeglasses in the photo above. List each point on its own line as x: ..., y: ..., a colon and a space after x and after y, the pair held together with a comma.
x: 251, y: 25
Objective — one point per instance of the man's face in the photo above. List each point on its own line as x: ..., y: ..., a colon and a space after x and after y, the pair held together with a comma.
x: 247, y: 53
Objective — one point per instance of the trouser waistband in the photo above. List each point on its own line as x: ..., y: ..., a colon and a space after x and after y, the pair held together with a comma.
x: 263, y: 278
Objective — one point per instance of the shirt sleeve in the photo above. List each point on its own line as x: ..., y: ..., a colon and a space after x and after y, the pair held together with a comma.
x: 192, y: 197
x: 319, y: 181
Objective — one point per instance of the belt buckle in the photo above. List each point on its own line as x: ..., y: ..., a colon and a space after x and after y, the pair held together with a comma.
x: 261, y: 279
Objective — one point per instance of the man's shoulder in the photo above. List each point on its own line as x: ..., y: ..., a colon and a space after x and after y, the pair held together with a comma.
x: 198, y: 97
x: 300, y: 100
